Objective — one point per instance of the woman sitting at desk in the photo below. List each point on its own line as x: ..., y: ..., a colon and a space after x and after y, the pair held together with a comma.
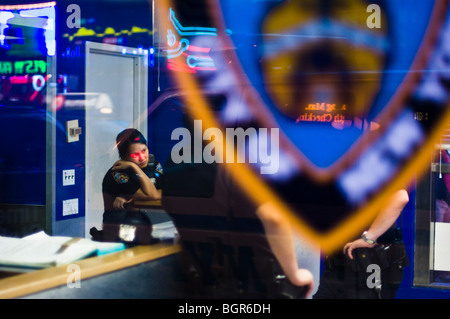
x: 136, y: 176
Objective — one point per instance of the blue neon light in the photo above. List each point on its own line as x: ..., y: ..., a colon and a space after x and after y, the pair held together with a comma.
x: 4, y: 17
x: 197, y: 61
x: 47, y: 14
x: 190, y: 31
x: 182, y: 47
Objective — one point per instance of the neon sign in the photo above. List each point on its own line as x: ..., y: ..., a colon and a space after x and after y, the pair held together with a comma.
x: 17, y: 18
x: 108, y: 32
x: 26, y: 88
x: 189, y: 31
x: 23, y: 67
x: 334, y: 115
x: 324, y: 113
x: 323, y: 118
x: 196, y: 56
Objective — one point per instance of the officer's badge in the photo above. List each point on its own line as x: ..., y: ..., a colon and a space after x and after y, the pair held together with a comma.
x: 359, y: 104
x: 158, y: 169
x: 120, y: 178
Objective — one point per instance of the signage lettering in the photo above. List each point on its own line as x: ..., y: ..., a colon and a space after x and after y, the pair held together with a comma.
x: 323, y: 113
x: 23, y: 67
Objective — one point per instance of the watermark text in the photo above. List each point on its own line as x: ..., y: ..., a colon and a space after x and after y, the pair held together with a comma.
x: 260, y: 147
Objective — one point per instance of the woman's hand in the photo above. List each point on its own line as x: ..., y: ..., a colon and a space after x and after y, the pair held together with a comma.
x: 120, y: 202
x: 304, y: 277
x: 359, y: 243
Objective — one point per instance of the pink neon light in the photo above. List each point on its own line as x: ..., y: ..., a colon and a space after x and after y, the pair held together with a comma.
x: 33, y: 96
x: 198, y: 49
x: 205, y: 68
x: 18, y: 79
x: 179, y: 67
x: 28, y: 6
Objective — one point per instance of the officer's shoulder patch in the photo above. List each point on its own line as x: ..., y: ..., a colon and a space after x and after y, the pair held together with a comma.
x: 120, y: 178
x: 159, y: 168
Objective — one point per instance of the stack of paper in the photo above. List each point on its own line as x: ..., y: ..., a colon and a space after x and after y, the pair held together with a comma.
x: 41, y: 250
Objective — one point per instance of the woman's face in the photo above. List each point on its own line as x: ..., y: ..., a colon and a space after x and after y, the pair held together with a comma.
x: 138, y: 154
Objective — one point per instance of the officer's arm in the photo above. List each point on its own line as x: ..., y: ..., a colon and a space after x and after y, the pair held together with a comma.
x: 141, y: 195
x: 387, y: 216
x: 147, y: 189
x: 280, y: 235
x: 384, y: 220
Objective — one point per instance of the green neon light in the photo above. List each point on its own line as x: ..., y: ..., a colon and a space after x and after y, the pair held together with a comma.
x: 23, y: 67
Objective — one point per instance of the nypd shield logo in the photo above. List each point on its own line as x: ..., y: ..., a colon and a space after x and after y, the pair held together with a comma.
x: 120, y: 178
x: 359, y: 95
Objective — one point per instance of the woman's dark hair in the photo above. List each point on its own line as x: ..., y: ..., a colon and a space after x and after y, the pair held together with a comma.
x: 126, y: 138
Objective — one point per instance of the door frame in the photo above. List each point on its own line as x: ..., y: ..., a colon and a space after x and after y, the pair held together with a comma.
x: 140, y: 92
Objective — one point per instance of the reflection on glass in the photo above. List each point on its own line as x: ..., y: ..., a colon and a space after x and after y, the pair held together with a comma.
x: 441, y: 266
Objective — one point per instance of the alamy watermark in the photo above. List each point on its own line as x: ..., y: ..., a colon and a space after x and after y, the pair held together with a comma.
x: 74, y: 278
x: 374, y: 279
x: 259, y: 147
x: 74, y: 19
x: 374, y: 19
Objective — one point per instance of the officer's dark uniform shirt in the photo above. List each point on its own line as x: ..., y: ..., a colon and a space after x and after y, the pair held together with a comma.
x: 126, y: 183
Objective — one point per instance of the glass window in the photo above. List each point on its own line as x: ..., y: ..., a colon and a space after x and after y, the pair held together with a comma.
x: 441, y: 219
x: 432, y: 258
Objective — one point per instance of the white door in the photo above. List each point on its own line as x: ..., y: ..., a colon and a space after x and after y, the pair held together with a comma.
x: 116, y: 99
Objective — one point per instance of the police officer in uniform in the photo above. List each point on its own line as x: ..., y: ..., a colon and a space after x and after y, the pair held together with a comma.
x: 348, y: 273
x: 135, y: 176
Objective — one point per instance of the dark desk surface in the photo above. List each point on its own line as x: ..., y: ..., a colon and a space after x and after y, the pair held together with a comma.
x: 128, y: 266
